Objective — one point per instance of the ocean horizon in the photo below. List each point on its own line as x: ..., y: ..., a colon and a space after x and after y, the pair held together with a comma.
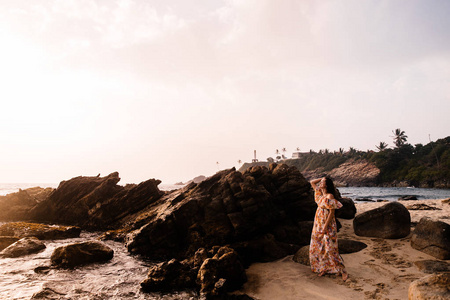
x: 363, y: 193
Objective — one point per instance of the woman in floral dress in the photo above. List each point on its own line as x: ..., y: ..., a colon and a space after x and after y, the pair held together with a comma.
x: 323, y: 250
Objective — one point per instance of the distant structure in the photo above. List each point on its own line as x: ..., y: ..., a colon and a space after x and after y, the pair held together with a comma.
x: 254, y: 159
x: 296, y: 155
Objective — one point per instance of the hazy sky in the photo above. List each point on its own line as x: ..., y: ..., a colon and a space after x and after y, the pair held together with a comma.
x: 165, y: 89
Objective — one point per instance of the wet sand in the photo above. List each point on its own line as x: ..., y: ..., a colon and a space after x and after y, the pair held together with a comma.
x: 383, y: 270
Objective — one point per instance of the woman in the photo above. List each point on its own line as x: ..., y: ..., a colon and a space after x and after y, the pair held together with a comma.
x: 323, y: 250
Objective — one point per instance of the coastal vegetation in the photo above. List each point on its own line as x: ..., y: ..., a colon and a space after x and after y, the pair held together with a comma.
x: 416, y: 165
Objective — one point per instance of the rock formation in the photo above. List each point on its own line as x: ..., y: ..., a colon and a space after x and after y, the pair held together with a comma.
x: 391, y: 221
x: 227, y: 208
x: 40, y: 231
x: 432, y: 237
x: 16, y: 206
x: 95, y: 202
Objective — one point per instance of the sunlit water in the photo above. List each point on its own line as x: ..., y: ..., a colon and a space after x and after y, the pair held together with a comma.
x: 392, y: 194
x: 117, y: 279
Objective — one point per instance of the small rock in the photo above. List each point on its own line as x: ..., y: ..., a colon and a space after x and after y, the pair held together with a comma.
x: 432, y: 266
x: 73, y: 255
x: 5, y: 241
x: 420, y: 206
x: 407, y: 198
x: 302, y: 256
x: 434, y: 286
x: 40, y: 231
x: 23, y: 247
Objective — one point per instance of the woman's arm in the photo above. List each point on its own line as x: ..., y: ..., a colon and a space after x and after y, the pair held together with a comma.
x: 314, y: 182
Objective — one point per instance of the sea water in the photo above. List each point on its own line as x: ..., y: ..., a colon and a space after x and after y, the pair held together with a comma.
x: 392, y: 193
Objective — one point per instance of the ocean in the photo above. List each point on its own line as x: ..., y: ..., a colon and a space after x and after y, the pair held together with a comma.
x: 374, y: 193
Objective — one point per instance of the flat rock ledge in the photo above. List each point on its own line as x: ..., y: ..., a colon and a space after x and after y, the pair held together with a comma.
x: 78, y: 254
x: 40, y: 231
x: 22, y: 247
x: 434, y: 286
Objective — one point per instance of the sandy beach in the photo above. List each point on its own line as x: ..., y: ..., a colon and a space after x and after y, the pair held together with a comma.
x: 383, y: 270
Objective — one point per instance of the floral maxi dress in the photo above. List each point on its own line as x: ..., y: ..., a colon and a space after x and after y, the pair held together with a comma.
x: 323, y: 249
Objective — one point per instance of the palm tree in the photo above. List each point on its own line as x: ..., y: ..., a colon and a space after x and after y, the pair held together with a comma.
x: 382, y: 146
x: 284, y: 151
x: 298, y: 148
x: 277, y: 151
x: 399, y: 137
x: 341, y: 151
x: 239, y: 161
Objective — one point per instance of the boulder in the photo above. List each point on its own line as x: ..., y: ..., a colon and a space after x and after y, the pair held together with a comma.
x: 432, y: 237
x: 41, y: 231
x: 169, y: 275
x: 95, y: 203
x: 73, y: 255
x: 302, y: 256
x: 421, y: 206
x: 433, y: 266
x: 390, y: 221
x: 348, y: 210
x: 25, y: 246
x: 350, y: 246
x: 434, y: 286
x: 5, y: 241
x: 260, y: 206
x: 222, y: 273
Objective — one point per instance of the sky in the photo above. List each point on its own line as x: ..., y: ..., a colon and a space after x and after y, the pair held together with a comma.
x: 173, y: 89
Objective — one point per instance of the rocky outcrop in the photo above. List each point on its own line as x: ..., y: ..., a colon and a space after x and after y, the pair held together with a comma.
x: 16, y: 206
x: 302, y: 256
x: 25, y: 246
x: 391, y: 221
x: 78, y: 254
x: 432, y: 237
x: 40, y: 231
x: 434, y: 286
x: 228, y: 208
x: 355, y: 173
x: 213, y: 273
x: 95, y: 202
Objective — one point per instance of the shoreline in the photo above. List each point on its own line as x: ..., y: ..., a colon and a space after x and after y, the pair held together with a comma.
x: 383, y: 270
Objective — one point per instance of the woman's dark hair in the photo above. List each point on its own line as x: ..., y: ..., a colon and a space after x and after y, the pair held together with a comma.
x: 331, y: 189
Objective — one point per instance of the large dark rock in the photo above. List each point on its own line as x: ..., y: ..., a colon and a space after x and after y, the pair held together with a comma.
x: 16, y: 206
x: 227, y: 208
x: 302, y: 256
x: 432, y: 237
x: 25, y: 246
x: 95, y: 202
x: 73, y: 255
x: 41, y: 231
x: 390, y: 221
x: 348, y: 209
